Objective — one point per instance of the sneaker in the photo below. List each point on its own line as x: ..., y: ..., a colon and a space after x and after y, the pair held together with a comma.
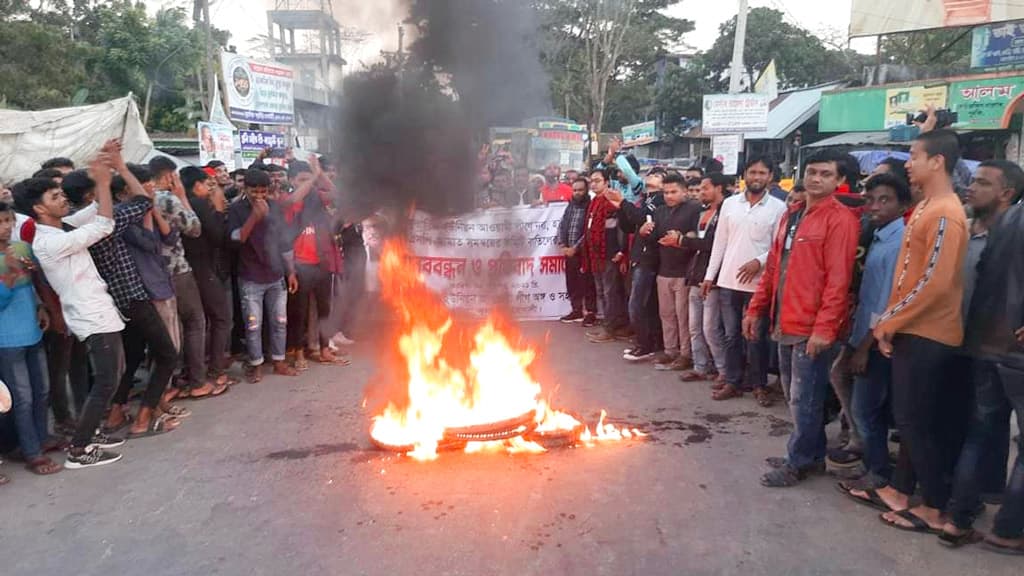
x: 571, y: 317
x: 638, y: 354
x: 340, y: 339
x: 104, y: 441
x: 663, y: 358
x: 93, y: 455
x: 589, y: 321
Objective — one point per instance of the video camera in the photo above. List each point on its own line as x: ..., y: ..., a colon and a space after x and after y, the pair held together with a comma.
x: 944, y: 118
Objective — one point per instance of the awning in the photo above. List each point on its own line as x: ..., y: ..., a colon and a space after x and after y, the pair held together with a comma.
x: 857, y: 139
x: 790, y: 110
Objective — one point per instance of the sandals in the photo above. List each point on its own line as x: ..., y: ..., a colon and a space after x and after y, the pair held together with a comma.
x: 109, y: 430
x: 179, y: 412
x: 763, y: 397
x: 872, y: 501
x: 969, y: 536
x: 283, y: 369
x: 43, y: 466
x: 917, y: 524
x: 215, y: 390
x: 330, y: 358
x: 784, y: 477
x: 1017, y: 550
x: 254, y: 374
x: 157, y: 426
x: 728, y: 392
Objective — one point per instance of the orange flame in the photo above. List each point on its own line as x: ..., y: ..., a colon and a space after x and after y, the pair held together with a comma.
x: 452, y: 387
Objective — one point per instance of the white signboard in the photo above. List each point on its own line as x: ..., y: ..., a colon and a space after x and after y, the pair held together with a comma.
x: 503, y: 258
x: 258, y: 92
x: 216, y: 142
x: 726, y: 149
x: 735, y: 113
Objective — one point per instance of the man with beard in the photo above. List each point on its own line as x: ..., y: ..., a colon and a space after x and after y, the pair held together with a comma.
x: 578, y: 284
x: 746, y: 226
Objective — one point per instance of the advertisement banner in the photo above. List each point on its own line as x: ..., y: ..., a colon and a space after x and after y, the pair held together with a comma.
x: 639, y: 134
x: 253, y: 142
x: 982, y: 104
x: 258, y: 92
x: 216, y: 142
x: 726, y: 149
x: 874, y: 17
x: 499, y: 258
x: 998, y: 46
x: 910, y: 100
x: 735, y: 113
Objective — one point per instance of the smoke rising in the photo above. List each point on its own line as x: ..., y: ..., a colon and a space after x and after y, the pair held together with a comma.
x: 411, y: 137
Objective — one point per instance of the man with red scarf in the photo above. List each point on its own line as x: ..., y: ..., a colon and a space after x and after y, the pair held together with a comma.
x: 604, y: 257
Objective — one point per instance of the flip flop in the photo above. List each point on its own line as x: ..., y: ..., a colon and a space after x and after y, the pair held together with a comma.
x: 157, y: 427
x: 218, y: 389
x: 1017, y: 550
x: 917, y: 523
x: 957, y: 540
x: 36, y: 466
x: 175, y: 411
x: 872, y: 501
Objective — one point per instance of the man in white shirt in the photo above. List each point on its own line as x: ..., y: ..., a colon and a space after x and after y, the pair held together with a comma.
x: 88, y: 308
x: 746, y: 227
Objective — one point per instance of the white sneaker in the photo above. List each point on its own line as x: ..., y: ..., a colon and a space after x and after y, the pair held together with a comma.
x: 340, y: 339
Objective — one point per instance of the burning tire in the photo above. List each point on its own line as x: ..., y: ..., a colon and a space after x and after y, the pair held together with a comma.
x: 518, y: 426
x: 560, y: 438
x: 445, y: 445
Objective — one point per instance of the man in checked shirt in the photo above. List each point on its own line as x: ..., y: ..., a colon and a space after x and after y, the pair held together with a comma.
x: 142, y: 321
x: 579, y: 284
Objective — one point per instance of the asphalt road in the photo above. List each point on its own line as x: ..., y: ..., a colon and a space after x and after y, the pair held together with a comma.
x: 279, y: 478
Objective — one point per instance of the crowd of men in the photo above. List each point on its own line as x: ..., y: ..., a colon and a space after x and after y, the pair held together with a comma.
x: 858, y: 290
x: 109, y: 267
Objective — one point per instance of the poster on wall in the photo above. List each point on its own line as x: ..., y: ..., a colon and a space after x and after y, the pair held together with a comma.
x: 910, y: 100
x: 998, y: 46
x: 639, y: 134
x: 258, y: 92
x: 253, y: 142
x: 984, y: 104
x: 726, y: 148
x: 503, y: 258
x: 216, y: 142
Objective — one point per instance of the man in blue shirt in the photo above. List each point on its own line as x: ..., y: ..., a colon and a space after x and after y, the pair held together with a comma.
x: 888, y: 197
x: 627, y: 182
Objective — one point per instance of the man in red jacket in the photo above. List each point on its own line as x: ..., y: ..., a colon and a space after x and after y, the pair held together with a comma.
x: 804, y: 294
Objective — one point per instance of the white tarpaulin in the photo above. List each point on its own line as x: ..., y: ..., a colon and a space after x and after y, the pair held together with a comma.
x: 27, y: 139
x: 503, y: 258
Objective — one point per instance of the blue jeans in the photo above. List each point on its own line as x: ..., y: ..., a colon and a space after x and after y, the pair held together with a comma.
x: 24, y: 370
x: 642, y: 317
x: 706, y: 333
x: 998, y: 390
x: 740, y: 353
x: 871, y: 413
x: 273, y: 297
x: 807, y: 380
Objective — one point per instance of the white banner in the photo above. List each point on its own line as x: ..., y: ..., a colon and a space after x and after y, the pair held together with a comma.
x: 499, y: 258
x: 735, y: 113
x: 873, y: 17
x: 726, y: 148
x: 216, y: 142
x: 258, y: 92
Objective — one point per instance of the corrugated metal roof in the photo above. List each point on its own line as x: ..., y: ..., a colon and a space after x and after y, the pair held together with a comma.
x: 857, y: 139
x: 790, y: 110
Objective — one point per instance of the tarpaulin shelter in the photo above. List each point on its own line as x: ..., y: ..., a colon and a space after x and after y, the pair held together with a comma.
x: 29, y: 138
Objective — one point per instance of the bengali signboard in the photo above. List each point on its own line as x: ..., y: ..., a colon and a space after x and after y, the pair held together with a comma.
x: 735, y: 113
x: 253, y: 142
x: 216, y: 142
x: 726, y: 148
x: 503, y: 258
x: 874, y: 17
x: 998, y: 46
x: 910, y: 100
x: 258, y: 92
x: 984, y: 104
x: 639, y: 134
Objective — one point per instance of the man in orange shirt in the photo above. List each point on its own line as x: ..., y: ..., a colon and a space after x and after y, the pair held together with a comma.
x: 920, y: 330
x: 554, y: 190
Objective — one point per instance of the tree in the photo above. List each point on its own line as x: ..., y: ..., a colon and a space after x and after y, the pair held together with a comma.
x: 598, y: 49
x: 800, y: 57
x: 680, y: 95
x: 38, y: 68
x: 948, y: 47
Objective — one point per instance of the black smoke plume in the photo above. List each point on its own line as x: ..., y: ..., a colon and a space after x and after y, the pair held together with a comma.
x: 409, y: 134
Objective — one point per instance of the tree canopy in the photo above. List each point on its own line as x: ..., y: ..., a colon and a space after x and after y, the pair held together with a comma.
x: 65, y: 52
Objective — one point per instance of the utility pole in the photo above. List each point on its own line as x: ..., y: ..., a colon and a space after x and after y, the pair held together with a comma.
x: 211, y: 73
x: 736, y: 74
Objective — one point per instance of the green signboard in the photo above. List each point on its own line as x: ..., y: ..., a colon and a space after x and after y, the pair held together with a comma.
x: 985, y: 104
x: 853, y: 111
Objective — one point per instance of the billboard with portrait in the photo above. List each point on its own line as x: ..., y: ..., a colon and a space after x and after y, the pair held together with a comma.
x: 258, y: 92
